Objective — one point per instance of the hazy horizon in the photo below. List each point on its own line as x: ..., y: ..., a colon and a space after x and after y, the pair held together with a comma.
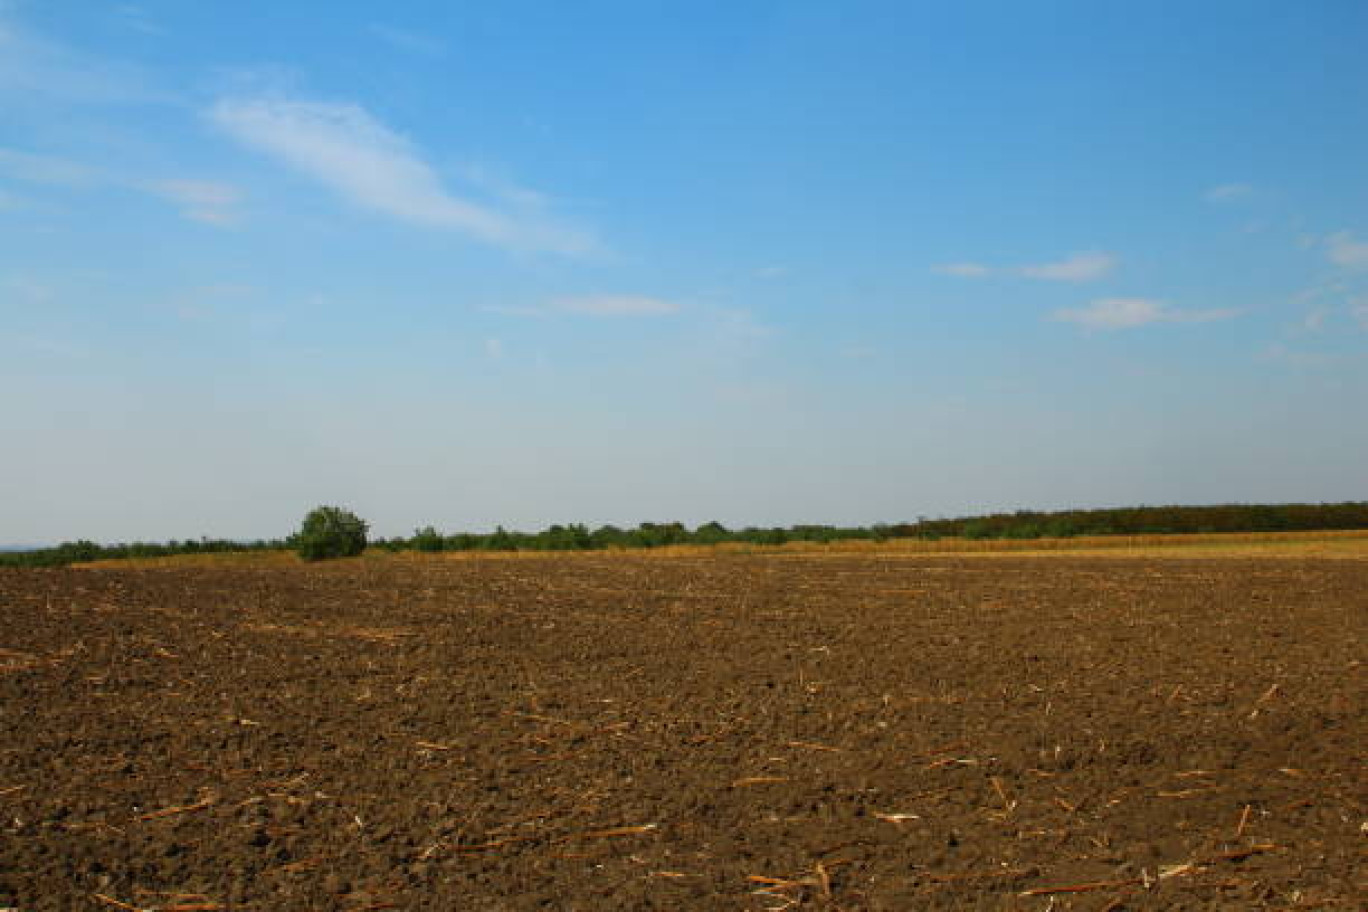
x: 522, y: 263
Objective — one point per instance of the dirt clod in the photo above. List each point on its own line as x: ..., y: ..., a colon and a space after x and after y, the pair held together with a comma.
x: 730, y: 732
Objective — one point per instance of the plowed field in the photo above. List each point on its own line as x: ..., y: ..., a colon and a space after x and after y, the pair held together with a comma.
x: 738, y: 731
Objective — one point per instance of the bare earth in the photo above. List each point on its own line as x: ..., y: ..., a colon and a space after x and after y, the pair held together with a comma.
x: 728, y: 731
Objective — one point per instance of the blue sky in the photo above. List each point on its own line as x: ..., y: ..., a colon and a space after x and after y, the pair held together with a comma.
x: 534, y: 262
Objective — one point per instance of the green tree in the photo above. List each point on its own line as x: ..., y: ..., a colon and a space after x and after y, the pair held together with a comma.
x: 330, y: 532
x: 711, y: 534
x: 427, y: 539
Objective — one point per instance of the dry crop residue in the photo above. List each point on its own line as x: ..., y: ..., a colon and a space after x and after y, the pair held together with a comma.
x: 726, y: 732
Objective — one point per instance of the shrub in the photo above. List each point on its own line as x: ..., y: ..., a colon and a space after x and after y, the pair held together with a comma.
x: 330, y: 532
x: 428, y: 540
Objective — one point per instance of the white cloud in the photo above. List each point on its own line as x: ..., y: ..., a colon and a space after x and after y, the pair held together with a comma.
x: 591, y: 306
x: 1320, y: 292
x: 342, y: 147
x: 771, y: 272
x: 615, y: 306
x: 963, y: 270
x: 1130, y: 313
x: 28, y: 292
x: 514, y: 310
x: 50, y: 347
x: 499, y: 186
x: 1358, y: 309
x: 1296, y: 358
x: 35, y: 70
x: 138, y: 19
x: 1330, y: 302
x: 740, y: 327
x: 201, y: 200
x: 1114, y: 313
x: 1210, y: 315
x: 1344, y: 250
x: 1080, y: 267
x: 45, y: 169
x: 494, y: 349
x: 1223, y: 193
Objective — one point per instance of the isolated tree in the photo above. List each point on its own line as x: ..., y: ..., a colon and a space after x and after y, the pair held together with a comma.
x: 330, y: 532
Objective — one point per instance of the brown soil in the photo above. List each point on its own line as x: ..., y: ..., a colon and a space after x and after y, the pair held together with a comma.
x: 727, y: 732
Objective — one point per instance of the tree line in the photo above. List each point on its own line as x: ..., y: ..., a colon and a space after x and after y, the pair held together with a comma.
x: 579, y: 537
x: 333, y: 532
x: 81, y: 551
x: 1170, y: 520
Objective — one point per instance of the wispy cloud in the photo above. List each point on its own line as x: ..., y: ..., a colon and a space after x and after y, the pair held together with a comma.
x: 1332, y: 302
x: 1087, y: 266
x: 1282, y: 354
x: 208, y: 201
x: 738, y: 326
x: 407, y: 40
x: 1320, y: 292
x: 1225, y: 193
x: 37, y: 70
x: 1080, y: 267
x: 45, y: 169
x: 771, y: 272
x: 139, y: 19
x: 211, y: 202
x: 347, y: 150
x: 497, y: 185
x: 1358, y: 309
x: 514, y: 310
x: 1131, y: 313
x: 963, y: 270
x: 591, y: 306
x: 1114, y: 313
x: 615, y: 306
x: 28, y: 292
x: 1344, y: 250
x: 48, y: 346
